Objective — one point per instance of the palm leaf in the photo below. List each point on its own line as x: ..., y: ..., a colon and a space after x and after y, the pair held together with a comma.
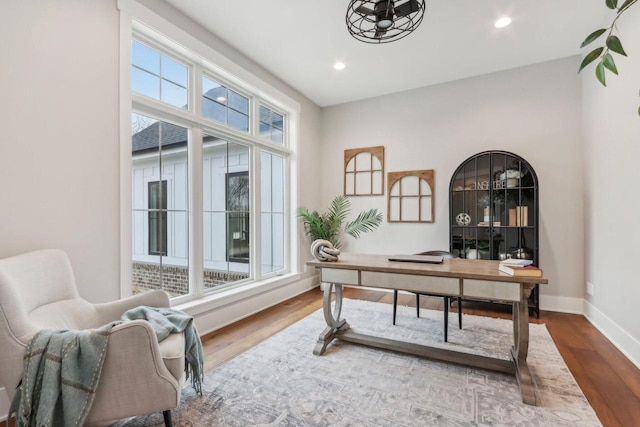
x: 364, y: 222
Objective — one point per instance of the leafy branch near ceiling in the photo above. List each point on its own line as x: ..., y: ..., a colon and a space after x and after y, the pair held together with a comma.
x: 612, y: 44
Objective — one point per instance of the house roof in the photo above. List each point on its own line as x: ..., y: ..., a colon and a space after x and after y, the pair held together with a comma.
x: 147, y: 139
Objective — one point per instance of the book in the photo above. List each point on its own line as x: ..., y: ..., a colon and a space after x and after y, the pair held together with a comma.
x: 522, y: 216
x: 516, y: 262
x: 522, y: 271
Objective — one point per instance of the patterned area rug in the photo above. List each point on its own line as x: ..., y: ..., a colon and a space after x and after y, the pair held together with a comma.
x: 281, y: 383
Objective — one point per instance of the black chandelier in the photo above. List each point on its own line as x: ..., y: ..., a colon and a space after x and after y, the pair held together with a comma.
x: 383, y: 21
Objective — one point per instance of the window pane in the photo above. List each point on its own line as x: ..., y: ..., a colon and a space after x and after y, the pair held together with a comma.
x: 160, y: 227
x: 238, y: 121
x: 271, y: 125
x: 213, y: 110
x: 272, y: 212
x: 145, y: 58
x: 158, y: 77
x: 177, y: 73
x: 226, y: 212
x: 145, y: 83
x: 174, y: 95
x: 238, y: 102
x: 224, y: 105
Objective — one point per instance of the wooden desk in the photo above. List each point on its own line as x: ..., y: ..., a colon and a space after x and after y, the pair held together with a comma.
x: 474, y: 279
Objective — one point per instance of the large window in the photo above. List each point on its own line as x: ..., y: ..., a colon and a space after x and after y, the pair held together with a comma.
x: 244, y: 152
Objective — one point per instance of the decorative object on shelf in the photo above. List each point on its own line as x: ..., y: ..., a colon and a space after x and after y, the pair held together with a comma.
x: 383, y: 21
x: 612, y: 44
x: 472, y: 254
x: 411, y: 196
x: 513, y: 217
x: 328, y: 226
x: 463, y: 218
x: 364, y: 171
x: 511, y: 176
x: 323, y: 250
x: 522, y: 216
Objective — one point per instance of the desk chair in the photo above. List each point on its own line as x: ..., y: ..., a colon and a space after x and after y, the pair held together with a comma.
x: 447, y: 299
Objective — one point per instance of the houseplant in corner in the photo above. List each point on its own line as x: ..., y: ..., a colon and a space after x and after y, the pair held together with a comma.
x: 328, y: 226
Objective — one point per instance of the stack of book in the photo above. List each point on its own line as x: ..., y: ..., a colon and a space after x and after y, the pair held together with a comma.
x: 519, y: 267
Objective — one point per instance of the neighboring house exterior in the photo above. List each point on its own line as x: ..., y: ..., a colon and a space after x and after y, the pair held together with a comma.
x: 160, y: 208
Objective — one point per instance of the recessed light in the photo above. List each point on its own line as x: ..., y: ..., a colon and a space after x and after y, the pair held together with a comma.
x: 221, y: 99
x: 502, y: 22
x: 339, y: 65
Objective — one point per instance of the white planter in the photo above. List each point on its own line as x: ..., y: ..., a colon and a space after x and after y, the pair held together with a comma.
x: 472, y: 254
x: 512, y: 182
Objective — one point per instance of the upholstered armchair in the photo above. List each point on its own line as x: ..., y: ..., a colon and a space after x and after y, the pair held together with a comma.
x: 139, y: 375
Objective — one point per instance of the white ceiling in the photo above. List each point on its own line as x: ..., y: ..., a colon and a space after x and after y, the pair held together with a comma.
x: 300, y: 40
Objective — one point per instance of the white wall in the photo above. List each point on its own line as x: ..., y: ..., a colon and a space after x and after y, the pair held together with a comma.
x: 59, y: 144
x: 533, y: 111
x: 612, y: 198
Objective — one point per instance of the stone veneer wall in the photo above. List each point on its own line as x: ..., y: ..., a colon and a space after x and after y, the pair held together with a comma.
x: 146, y: 276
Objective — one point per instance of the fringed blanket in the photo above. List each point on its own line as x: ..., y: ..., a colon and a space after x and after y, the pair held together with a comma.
x: 62, y: 368
x: 60, y: 377
x: 167, y: 321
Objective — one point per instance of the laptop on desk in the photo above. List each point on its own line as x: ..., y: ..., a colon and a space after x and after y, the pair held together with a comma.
x: 427, y: 259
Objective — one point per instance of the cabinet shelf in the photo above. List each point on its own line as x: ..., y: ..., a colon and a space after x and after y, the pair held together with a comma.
x: 490, y: 187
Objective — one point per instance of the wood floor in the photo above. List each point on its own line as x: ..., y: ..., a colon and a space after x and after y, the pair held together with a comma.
x: 610, y: 382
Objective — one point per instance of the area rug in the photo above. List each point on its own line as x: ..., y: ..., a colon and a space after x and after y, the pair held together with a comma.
x: 281, y: 383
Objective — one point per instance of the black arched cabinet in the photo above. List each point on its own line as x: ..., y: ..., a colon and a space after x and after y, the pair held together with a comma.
x: 493, y: 210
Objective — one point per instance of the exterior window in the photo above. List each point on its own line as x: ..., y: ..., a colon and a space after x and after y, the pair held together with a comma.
x: 160, y: 221
x: 226, y: 213
x: 224, y: 105
x: 243, y: 181
x: 158, y: 218
x: 238, y: 214
x: 271, y: 125
x: 157, y: 76
x: 272, y: 212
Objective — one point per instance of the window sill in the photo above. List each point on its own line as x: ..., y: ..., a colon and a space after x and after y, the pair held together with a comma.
x: 223, y: 298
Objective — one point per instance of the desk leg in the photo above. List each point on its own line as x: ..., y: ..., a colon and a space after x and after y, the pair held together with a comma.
x: 520, y: 348
x: 332, y: 317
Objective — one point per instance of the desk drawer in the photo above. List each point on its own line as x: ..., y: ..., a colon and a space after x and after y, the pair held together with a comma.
x: 501, y: 291
x: 409, y: 282
x: 339, y: 275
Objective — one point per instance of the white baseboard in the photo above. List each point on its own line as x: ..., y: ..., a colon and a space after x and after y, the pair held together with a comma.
x: 627, y: 344
x: 4, y: 404
x: 561, y: 304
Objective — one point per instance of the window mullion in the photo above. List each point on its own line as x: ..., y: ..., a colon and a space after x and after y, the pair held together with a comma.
x: 256, y: 213
x: 196, y: 243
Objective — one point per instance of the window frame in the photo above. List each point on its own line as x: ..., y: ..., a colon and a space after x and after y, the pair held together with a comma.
x: 200, y: 59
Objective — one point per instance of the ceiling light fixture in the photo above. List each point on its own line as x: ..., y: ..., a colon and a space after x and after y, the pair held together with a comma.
x: 383, y: 21
x: 502, y: 22
x: 339, y: 65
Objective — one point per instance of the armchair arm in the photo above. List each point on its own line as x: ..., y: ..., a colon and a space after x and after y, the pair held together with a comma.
x: 134, y: 377
x: 111, y: 311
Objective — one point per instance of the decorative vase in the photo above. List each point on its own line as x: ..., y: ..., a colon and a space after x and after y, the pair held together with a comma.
x: 472, y: 254
x: 512, y: 182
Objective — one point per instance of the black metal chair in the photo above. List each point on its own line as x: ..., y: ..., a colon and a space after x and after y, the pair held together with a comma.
x: 447, y: 299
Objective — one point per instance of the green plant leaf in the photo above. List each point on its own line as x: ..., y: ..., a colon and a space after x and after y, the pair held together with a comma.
x: 614, y: 44
x: 639, y: 111
x: 609, y: 63
x: 591, y: 37
x: 591, y: 56
x: 611, y: 4
x: 364, y: 222
x: 600, y: 73
x: 625, y: 5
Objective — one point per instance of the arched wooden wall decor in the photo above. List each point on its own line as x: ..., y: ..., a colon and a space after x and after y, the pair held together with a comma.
x: 411, y: 196
x: 364, y: 171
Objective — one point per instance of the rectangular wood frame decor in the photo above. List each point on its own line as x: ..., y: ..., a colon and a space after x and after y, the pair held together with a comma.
x: 410, y: 196
x: 364, y: 171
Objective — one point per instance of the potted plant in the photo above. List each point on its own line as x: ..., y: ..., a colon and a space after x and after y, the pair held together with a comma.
x: 328, y: 226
